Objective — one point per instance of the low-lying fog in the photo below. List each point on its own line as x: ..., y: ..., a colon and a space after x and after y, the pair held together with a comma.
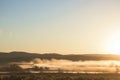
x: 85, y: 66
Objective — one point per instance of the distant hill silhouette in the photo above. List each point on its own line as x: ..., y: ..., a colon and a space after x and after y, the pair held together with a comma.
x: 24, y: 56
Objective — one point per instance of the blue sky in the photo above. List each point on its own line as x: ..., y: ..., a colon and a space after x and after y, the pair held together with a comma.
x: 61, y: 26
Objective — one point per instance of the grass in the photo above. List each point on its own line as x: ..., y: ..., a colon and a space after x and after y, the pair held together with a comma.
x: 59, y: 76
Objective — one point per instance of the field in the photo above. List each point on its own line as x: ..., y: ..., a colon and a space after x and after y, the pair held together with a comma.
x: 59, y: 76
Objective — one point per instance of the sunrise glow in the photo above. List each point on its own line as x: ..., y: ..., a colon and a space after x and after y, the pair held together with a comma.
x: 113, y: 45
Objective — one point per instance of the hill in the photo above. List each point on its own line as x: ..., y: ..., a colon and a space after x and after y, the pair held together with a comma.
x: 24, y: 56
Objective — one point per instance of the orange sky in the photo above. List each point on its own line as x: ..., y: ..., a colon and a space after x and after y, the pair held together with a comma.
x: 65, y: 26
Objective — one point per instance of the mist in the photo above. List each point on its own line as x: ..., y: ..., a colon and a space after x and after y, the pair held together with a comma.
x: 79, y: 66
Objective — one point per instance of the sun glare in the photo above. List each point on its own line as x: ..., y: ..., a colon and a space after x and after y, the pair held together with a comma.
x: 113, y: 45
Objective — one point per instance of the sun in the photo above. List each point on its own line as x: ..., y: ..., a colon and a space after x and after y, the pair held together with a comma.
x: 113, y: 45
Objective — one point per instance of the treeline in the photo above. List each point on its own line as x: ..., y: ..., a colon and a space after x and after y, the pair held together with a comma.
x: 14, y: 68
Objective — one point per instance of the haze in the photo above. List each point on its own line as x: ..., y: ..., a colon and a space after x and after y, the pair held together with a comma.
x: 60, y: 26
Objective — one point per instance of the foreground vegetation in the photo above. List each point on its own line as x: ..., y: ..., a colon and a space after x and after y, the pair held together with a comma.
x: 15, y: 72
x: 59, y: 76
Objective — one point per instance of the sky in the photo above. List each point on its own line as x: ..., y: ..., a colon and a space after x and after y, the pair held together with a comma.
x: 59, y: 26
